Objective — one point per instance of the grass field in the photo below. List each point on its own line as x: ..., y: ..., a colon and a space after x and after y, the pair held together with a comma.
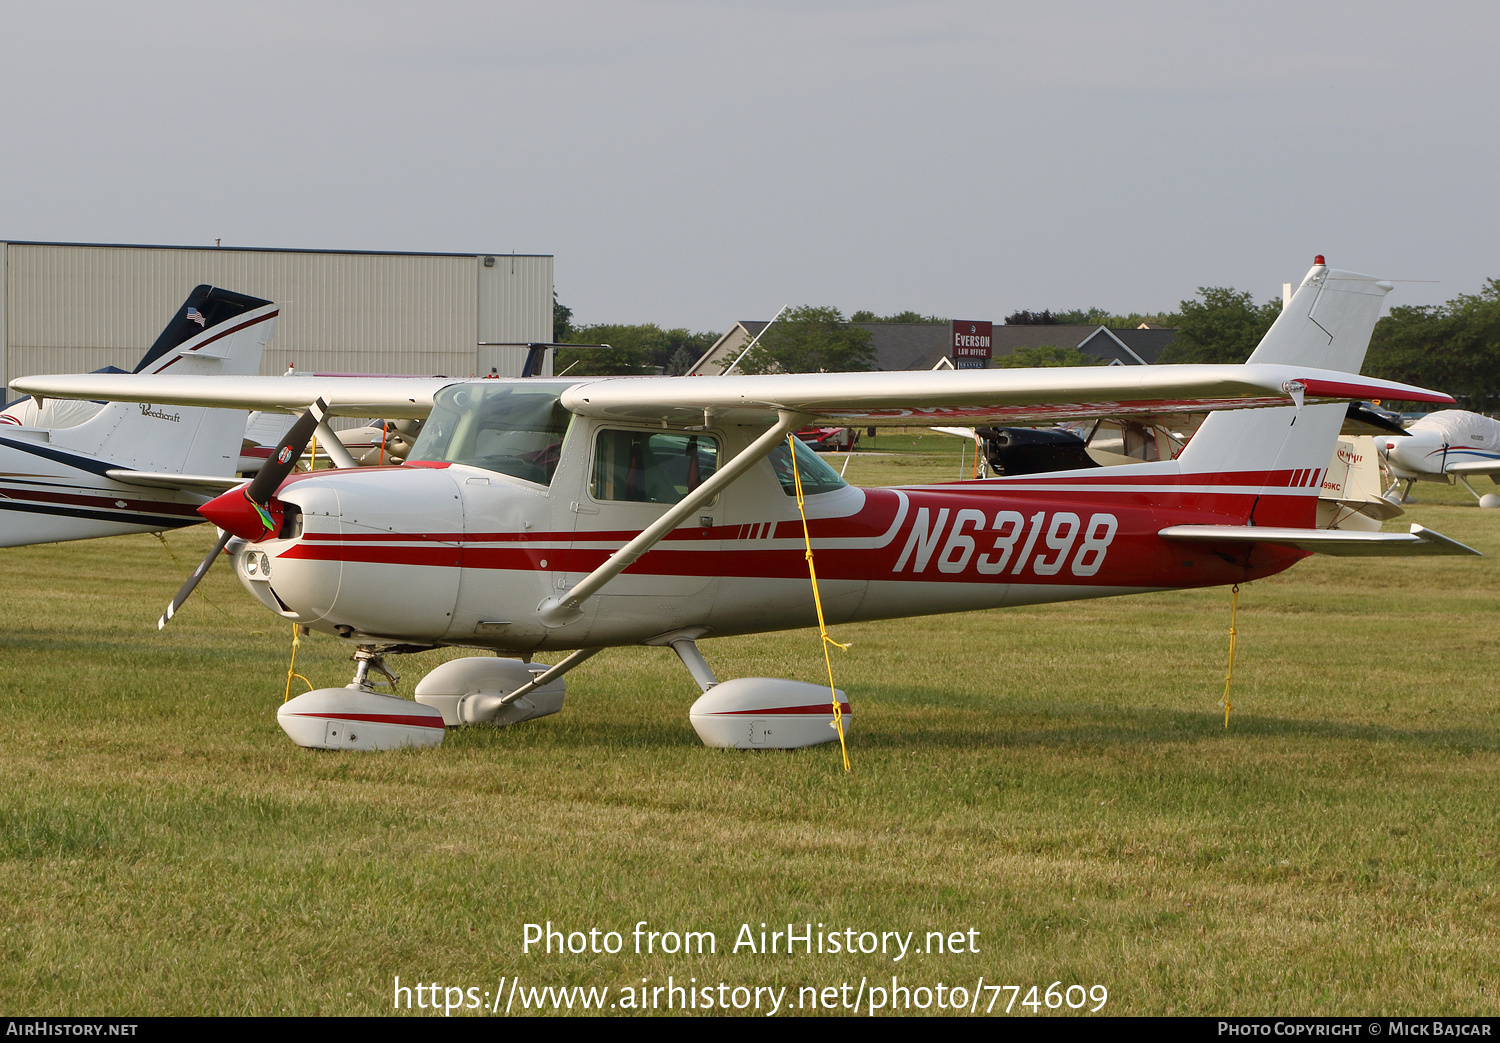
x: 1058, y: 780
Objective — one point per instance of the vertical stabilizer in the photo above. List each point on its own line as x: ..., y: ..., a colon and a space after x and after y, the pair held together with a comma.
x: 215, y: 333
x: 1283, y: 451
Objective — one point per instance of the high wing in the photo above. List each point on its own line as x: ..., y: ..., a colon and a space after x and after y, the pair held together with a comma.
x: 927, y: 397
x: 973, y: 396
x: 390, y: 397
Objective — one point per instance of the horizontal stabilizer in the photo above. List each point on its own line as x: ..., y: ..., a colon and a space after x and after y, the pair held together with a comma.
x: 1339, y: 542
x: 208, y: 484
x: 1377, y: 507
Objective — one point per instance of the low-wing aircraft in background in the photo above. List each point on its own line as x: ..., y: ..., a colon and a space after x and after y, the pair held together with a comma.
x: 1443, y: 446
x: 1349, y: 497
x: 548, y: 515
x: 137, y: 467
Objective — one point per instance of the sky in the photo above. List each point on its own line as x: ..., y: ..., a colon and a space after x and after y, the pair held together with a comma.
x: 696, y: 163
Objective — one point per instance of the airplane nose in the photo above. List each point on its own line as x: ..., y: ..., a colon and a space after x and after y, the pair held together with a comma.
x: 236, y: 513
x: 368, y: 553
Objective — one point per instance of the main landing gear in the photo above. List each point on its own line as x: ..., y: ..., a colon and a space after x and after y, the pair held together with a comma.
x: 745, y: 713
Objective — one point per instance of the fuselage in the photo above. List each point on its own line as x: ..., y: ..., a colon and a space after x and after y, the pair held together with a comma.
x: 49, y: 493
x: 448, y: 552
x: 1442, y: 442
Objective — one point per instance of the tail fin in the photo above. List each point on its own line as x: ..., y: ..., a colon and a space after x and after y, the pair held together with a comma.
x: 1284, y: 451
x: 214, y: 333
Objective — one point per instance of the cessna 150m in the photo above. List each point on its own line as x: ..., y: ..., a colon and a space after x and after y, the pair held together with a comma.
x: 137, y: 468
x: 554, y: 515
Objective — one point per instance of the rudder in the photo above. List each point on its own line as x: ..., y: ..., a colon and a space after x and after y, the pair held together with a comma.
x: 215, y: 333
x: 1283, y: 451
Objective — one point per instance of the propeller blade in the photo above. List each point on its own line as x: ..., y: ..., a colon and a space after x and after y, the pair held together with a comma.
x: 287, y: 453
x: 260, y: 490
x: 192, y: 581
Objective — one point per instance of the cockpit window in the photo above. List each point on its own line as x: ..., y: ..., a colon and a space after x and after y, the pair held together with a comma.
x: 651, y: 466
x: 817, y: 476
x: 515, y: 429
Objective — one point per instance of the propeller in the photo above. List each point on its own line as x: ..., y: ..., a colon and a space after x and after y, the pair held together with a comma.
x: 242, y: 511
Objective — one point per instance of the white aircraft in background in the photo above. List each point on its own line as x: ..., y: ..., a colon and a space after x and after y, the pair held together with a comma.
x: 135, y: 467
x: 575, y: 515
x: 1443, y: 446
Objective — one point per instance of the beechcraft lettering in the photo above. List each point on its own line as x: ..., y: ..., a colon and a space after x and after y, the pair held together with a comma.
x: 146, y: 410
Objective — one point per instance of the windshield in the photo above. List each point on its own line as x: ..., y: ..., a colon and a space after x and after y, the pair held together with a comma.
x: 817, y: 476
x: 514, y: 428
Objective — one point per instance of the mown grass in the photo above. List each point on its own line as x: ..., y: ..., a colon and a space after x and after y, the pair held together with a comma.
x: 1059, y: 779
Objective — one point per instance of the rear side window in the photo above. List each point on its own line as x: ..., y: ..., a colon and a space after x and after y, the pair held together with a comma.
x: 651, y: 466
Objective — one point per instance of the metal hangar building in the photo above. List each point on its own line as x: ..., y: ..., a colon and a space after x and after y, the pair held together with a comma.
x: 76, y: 307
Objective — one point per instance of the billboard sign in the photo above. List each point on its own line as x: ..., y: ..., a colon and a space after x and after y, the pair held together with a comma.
x: 971, y: 340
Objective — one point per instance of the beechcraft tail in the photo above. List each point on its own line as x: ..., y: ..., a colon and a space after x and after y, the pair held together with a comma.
x: 139, y: 467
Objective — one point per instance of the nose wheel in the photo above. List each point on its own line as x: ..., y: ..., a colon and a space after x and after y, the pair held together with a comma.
x: 367, y: 658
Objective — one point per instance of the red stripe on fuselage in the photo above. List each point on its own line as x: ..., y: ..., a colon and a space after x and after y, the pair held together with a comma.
x: 102, y: 501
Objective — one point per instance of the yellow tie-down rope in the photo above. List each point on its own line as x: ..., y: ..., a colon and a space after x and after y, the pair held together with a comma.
x: 1234, y: 606
x: 292, y: 666
x: 838, y: 715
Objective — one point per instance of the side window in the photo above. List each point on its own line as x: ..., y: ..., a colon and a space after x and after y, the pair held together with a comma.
x: 651, y: 466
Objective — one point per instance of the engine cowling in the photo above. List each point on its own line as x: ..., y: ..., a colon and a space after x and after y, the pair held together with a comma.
x: 372, y: 553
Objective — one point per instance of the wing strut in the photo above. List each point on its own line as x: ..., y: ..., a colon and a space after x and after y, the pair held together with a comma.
x: 336, y: 450
x: 560, y: 611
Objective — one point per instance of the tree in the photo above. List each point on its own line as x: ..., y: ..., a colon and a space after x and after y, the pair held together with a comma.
x: 810, y: 339
x: 900, y: 316
x: 1046, y: 355
x: 562, y: 320
x: 1225, y: 326
x: 1453, y: 347
x: 643, y: 348
x: 1096, y: 317
x: 1030, y: 318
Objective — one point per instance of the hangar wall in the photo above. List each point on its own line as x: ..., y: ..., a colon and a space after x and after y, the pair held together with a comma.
x: 72, y: 307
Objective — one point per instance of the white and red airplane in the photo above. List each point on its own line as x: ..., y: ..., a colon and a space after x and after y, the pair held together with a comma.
x: 570, y: 516
x: 1443, y: 446
x: 140, y: 467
